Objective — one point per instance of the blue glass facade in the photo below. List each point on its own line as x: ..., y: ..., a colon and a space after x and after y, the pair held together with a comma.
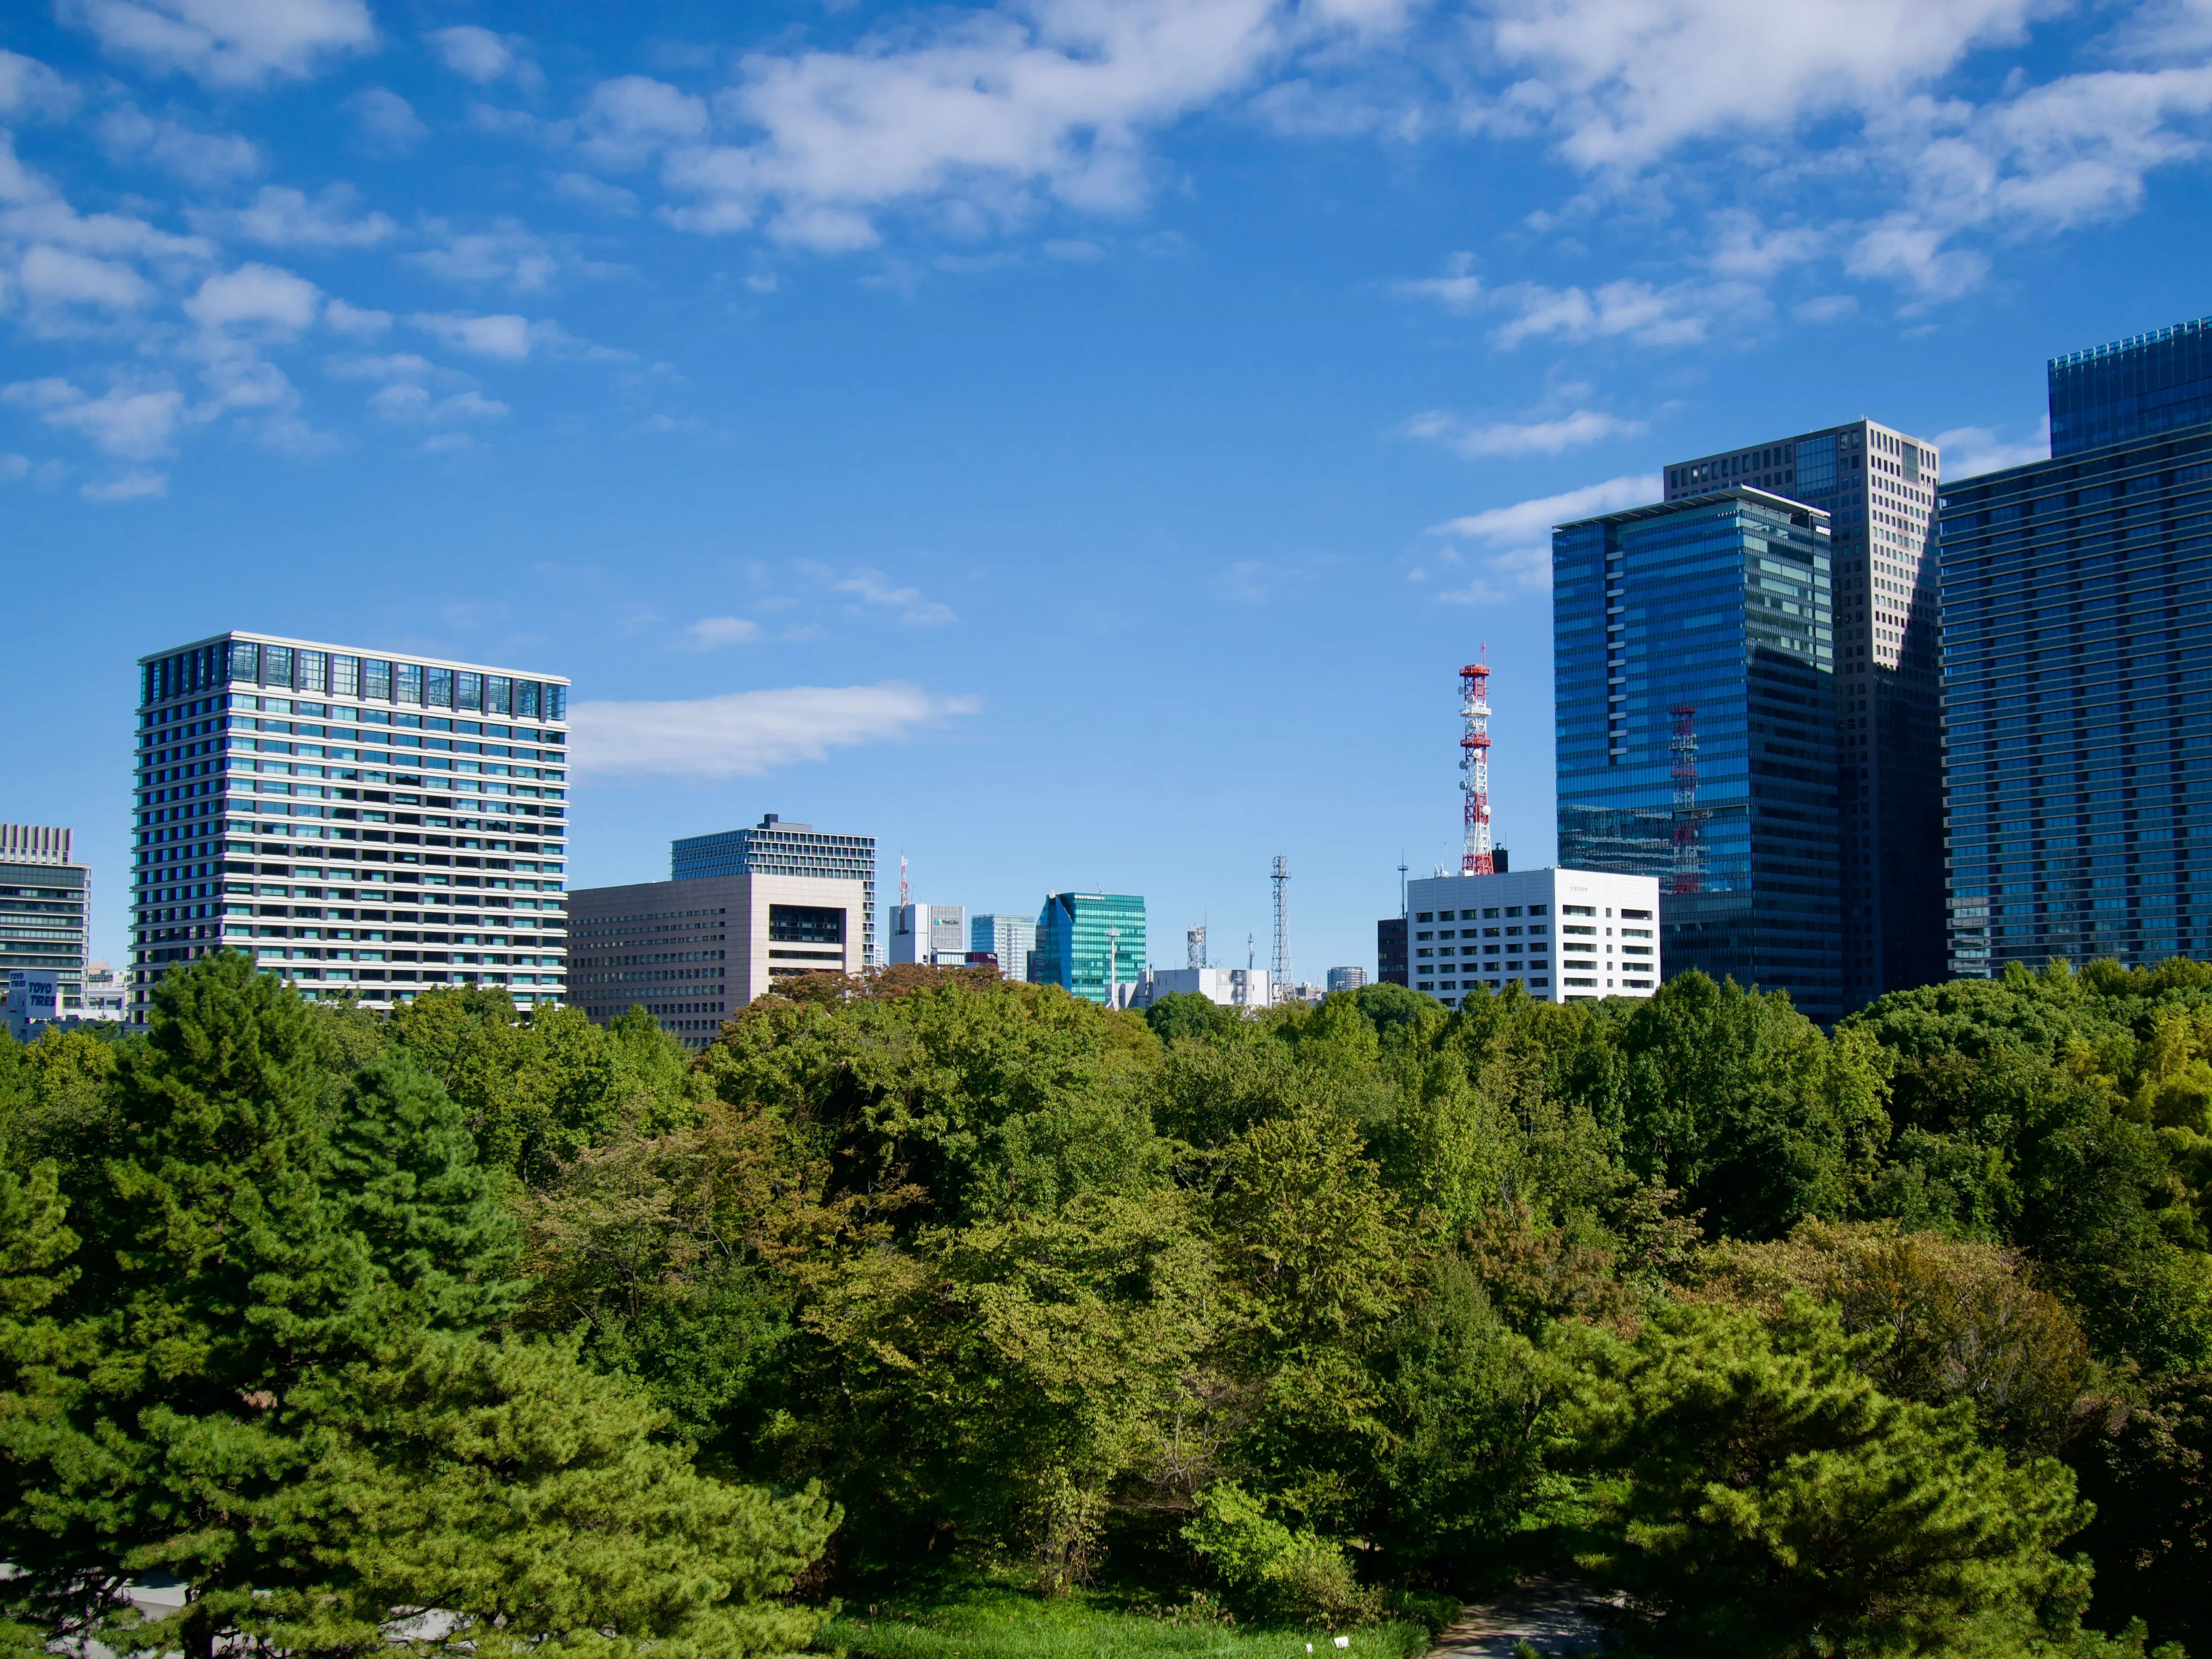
x: 2139, y: 387
x: 1082, y: 937
x: 2077, y: 638
x: 1694, y: 677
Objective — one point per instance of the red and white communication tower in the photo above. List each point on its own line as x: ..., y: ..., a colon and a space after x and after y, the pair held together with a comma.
x: 1688, y: 876
x: 1474, y: 858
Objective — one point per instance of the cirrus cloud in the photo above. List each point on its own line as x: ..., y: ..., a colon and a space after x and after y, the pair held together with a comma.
x: 746, y: 733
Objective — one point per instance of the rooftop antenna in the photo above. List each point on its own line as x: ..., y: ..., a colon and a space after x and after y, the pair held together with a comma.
x: 1282, y: 880
x: 905, y: 898
x: 1474, y: 858
x: 1194, y: 946
x: 1250, y: 955
x: 1401, y: 884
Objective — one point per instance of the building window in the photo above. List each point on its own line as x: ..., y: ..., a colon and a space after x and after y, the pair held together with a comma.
x: 805, y: 924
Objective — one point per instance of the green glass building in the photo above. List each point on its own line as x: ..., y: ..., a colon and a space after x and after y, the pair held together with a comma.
x: 1085, y: 941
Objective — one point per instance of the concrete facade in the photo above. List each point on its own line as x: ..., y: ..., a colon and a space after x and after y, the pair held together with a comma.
x: 1564, y: 935
x: 693, y: 952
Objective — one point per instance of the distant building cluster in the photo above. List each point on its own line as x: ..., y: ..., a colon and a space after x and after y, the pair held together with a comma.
x: 1825, y: 723
x: 1863, y: 728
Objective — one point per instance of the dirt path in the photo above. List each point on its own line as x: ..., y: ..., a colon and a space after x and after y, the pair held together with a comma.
x: 1551, y: 1613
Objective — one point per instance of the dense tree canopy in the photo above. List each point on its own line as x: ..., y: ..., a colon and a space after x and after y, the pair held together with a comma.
x: 1891, y: 1338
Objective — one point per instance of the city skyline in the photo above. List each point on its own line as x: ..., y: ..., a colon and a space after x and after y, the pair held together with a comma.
x: 973, y: 479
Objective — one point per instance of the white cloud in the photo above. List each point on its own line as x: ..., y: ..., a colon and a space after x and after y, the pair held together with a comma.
x: 29, y: 88
x: 871, y: 588
x: 1624, y: 82
x: 1585, y: 426
x: 746, y: 733
x: 409, y: 404
x: 1678, y: 315
x: 1515, y: 541
x: 991, y: 110
x: 503, y: 335
x: 507, y: 253
x: 475, y: 53
x: 709, y: 632
x: 128, y: 487
x: 1826, y: 308
x: 269, y: 301
x: 1531, y: 518
x: 386, y: 121
x: 595, y: 193
x: 206, y: 159
x: 1968, y: 450
x: 135, y: 421
x: 279, y: 216
x: 51, y: 277
x: 1458, y: 289
x: 628, y: 119
x: 1074, y: 249
x: 355, y: 320
x: 227, y: 43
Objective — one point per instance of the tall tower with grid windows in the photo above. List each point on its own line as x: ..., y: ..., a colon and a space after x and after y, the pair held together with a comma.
x: 367, y: 825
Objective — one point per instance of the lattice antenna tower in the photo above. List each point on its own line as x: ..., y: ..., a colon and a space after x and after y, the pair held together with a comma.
x: 905, y: 897
x: 1281, y: 972
x: 1689, y: 875
x: 1194, y: 946
x: 1474, y: 859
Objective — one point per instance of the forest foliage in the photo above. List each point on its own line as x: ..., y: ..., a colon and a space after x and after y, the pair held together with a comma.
x: 1895, y: 1339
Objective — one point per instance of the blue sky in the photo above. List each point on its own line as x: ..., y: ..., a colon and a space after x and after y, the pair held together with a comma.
x: 1076, y: 442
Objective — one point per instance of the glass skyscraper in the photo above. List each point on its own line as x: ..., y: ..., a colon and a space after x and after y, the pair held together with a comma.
x: 1878, y: 486
x: 2138, y: 387
x: 773, y: 847
x: 2078, y: 668
x: 1082, y: 938
x: 1694, y: 678
x: 365, y: 824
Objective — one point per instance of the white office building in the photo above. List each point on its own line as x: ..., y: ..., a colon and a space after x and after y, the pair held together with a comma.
x: 1007, y: 940
x: 933, y: 935
x: 366, y: 824
x: 1232, y: 988
x: 1564, y: 935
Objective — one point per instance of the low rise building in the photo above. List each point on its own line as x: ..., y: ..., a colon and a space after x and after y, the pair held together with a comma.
x: 1562, y: 935
x: 1232, y: 987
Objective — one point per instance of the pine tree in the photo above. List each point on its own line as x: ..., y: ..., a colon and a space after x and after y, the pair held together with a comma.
x: 401, y: 1172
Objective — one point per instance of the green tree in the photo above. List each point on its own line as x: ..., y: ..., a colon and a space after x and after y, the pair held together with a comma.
x: 1758, y: 1493
x: 400, y: 1171
x: 2149, y: 1470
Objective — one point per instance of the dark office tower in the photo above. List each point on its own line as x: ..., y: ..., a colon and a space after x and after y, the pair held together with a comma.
x: 2078, y: 671
x: 2138, y: 387
x: 1390, y: 951
x: 1694, y: 678
x: 1878, y: 487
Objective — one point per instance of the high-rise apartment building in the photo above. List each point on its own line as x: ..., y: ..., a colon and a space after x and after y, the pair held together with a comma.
x: 365, y: 824
x: 773, y: 847
x: 2139, y: 387
x: 1562, y: 935
x: 45, y: 908
x: 1007, y: 939
x: 1694, y: 682
x: 1091, y: 944
x: 2078, y: 667
x: 1878, y: 487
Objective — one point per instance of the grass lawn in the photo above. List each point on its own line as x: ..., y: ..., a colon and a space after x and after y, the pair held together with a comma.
x: 988, y: 1622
